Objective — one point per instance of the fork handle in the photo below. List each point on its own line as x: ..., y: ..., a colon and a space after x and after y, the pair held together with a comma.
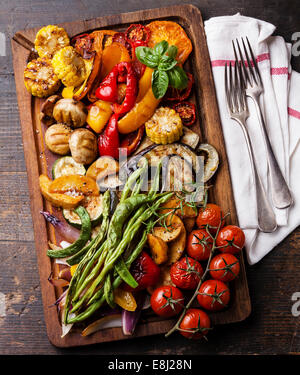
x: 281, y: 195
x: 265, y: 214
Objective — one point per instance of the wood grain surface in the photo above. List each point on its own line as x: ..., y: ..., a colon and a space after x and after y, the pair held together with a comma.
x: 271, y: 328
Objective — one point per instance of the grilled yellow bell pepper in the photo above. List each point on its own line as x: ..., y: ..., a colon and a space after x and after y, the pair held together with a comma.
x: 139, y: 114
x: 98, y: 115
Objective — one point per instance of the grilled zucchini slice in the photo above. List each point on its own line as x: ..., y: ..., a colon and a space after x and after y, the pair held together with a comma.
x: 93, y: 205
x: 40, y: 79
x: 67, y: 166
x: 50, y: 39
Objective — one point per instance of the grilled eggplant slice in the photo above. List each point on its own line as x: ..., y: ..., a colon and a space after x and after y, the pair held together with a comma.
x: 211, y: 160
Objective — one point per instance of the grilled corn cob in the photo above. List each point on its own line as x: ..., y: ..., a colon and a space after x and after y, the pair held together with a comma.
x: 40, y: 79
x: 165, y: 126
x: 69, y: 66
x: 50, y: 39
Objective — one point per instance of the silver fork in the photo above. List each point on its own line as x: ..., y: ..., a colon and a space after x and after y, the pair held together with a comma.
x: 238, y: 110
x: 280, y: 192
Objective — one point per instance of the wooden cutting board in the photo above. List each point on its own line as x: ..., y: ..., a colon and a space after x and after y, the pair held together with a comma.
x: 39, y: 160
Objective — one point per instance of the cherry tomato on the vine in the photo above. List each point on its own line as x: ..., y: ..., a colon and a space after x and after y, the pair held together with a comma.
x: 224, y: 267
x: 144, y: 271
x: 210, y: 215
x: 231, y: 239
x: 167, y: 301
x: 186, y: 273
x: 199, y: 244
x: 195, y: 324
x: 213, y: 295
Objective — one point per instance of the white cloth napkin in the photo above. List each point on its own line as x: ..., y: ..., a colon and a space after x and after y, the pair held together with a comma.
x: 281, y: 104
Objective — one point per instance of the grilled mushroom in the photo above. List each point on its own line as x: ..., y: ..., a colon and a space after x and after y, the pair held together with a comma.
x: 83, y: 146
x: 46, y: 115
x: 70, y: 112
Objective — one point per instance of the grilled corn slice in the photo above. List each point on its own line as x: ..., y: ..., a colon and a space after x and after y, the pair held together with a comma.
x: 165, y: 126
x: 69, y: 66
x: 50, y: 39
x: 40, y: 79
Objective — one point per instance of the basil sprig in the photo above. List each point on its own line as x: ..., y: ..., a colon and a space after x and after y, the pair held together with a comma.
x: 166, y: 72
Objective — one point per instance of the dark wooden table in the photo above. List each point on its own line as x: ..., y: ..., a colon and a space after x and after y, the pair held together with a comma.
x: 271, y: 328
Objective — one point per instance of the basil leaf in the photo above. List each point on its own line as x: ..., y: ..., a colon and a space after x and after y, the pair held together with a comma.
x: 160, y: 83
x: 161, y: 47
x: 146, y: 56
x: 172, y: 51
x: 178, y: 78
x: 167, y: 63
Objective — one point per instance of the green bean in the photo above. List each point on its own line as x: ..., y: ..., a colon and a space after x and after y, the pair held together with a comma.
x: 94, y: 244
x: 113, y: 256
x: 85, y: 280
x: 98, y: 298
x: 108, y: 292
x: 125, y: 274
x: 120, y: 216
x: 97, y: 241
x: 84, y: 236
x: 131, y: 180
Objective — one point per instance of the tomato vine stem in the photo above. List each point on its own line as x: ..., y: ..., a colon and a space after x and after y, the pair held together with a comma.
x: 176, y: 327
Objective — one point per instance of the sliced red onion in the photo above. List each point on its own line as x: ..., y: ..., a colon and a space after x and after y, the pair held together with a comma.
x: 108, y: 321
x: 65, y: 274
x: 130, y: 318
x: 147, y: 303
x: 68, y: 232
x: 66, y: 327
x: 58, y: 282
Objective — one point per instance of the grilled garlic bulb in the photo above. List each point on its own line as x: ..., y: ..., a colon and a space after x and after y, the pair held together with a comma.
x: 50, y: 39
x: 57, y: 138
x: 69, y: 66
x: 165, y: 126
x: 40, y: 79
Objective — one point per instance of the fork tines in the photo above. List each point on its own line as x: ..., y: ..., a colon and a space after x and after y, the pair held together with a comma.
x: 234, y: 88
x: 254, y: 76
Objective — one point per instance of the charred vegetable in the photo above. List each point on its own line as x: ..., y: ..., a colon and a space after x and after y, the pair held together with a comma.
x: 69, y: 66
x: 82, y: 240
x: 83, y: 146
x: 93, y: 205
x: 70, y: 112
x: 211, y: 160
x: 40, y: 78
x: 165, y: 126
x: 57, y: 138
x: 46, y: 115
x: 50, y: 39
x: 66, y: 166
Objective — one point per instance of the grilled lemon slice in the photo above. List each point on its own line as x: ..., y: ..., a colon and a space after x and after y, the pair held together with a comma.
x: 165, y: 126
x: 50, y: 39
x: 69, y: 66
x: 40, y: 79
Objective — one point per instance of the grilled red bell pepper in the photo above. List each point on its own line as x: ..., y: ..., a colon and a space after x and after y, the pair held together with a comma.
x: 131, y: 88
x: 131, y: 141
x: 108, y: 90
x: 137, y: 35
x: 108, y: 141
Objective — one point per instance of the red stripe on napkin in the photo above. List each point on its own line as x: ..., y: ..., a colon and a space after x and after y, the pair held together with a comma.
x: 262, y: 57
x: 292, y: 112
x: 279, y: 71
